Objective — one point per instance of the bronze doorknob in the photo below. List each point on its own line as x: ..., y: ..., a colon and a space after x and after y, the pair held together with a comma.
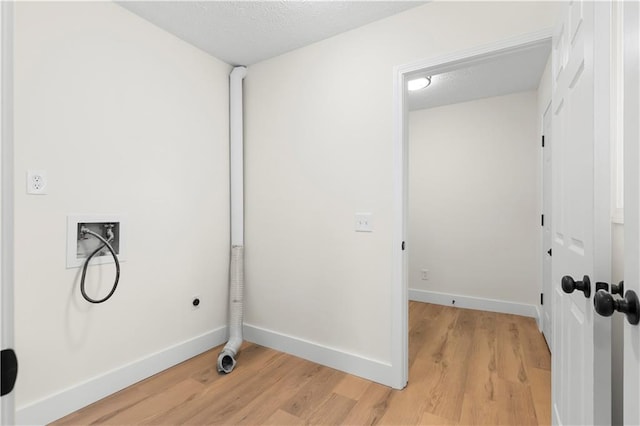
x: 569, y: 285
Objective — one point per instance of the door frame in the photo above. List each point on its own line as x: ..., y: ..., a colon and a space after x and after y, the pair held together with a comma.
x: 7, y: 404
x: 401, y: 74
x: 545, y: 325
x: 631, y: 137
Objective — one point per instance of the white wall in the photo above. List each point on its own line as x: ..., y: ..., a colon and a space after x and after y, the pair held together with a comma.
x: 319, y: 148
x: 126, y: 119
x: 474, y: 220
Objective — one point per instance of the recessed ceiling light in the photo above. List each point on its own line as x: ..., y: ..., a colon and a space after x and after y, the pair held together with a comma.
x: 419, y: 83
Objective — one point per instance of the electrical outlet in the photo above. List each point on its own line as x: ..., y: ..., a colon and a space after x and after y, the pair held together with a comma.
x: 36, y: 182
x: 364, y: 222
x: 424, y: 274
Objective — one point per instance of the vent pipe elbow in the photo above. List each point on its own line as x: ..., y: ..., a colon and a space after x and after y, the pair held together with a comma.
x: 226, y: 361
x: 239, y: 72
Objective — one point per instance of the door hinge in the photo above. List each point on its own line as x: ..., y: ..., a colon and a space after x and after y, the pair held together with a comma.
x: 542, y: 298
x: 542, y: 220
x: 543, y: 141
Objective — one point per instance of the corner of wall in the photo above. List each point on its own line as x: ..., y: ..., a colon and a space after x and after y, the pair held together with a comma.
x: 78, y: 396
x: 366, y: 368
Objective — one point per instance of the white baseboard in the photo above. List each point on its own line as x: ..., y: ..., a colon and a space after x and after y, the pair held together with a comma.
x: 72, y: 399
x: 539, y: 318
x: 366, y: 368
x: 491, y: 305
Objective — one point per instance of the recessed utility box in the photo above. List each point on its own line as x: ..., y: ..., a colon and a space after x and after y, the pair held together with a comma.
x: 80, y: 245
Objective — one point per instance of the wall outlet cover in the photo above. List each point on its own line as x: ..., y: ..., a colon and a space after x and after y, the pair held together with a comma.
x: 364, y: 222
x: 36, y: 182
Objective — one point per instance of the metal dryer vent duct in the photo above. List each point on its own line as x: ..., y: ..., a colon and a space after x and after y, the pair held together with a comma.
x: 227, y: 358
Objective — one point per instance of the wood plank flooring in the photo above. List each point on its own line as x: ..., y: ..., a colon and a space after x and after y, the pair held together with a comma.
x: 466, y: 368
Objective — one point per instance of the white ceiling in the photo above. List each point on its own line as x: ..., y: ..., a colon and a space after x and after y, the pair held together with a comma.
x: 510, y: 73
x: 245, y: 32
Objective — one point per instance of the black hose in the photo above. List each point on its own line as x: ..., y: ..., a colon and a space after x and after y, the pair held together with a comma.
x: 86, y: 263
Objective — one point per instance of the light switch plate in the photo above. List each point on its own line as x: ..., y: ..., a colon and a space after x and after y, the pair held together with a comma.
x: 364, y: 222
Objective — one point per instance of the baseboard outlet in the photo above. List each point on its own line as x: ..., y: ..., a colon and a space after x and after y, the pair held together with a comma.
x: 479, y: 303
x: 72, y: 399
x: 366, y: 368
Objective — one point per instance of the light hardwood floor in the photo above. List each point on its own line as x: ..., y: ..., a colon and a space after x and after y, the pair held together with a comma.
x: 466, y: 367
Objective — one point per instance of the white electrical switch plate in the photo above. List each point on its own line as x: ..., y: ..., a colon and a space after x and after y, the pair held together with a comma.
x: 36, y: 182
x: 364, y: 222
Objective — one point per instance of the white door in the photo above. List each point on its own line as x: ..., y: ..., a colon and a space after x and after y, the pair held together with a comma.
x: 581, y: 387
x: 631, y: 11
x: 547, y: 311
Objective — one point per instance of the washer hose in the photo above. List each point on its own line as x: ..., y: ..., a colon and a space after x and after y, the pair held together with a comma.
x: 86, y: 263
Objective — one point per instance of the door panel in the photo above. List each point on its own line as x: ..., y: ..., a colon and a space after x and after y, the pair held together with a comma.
x: 576, y: 398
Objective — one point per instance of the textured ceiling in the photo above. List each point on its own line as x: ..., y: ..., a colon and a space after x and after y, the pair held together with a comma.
x: 246, y: 32
x: 510, y: 73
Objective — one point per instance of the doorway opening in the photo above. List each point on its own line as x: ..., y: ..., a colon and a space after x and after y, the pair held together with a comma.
x: 406, y: 273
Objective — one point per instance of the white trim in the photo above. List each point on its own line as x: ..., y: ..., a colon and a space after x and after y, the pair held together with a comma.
x: 539, y: 318
x: 357, y: 365
x: 399, y: 285
x: 546, y: 210
x: 7, y: 407
x: 618, y: 216
x: 466, y: 57
x: 399, y: 295
x: 617, y: 113
x: 71, y: 399
x: 479, y: 303
x: 631, y: 382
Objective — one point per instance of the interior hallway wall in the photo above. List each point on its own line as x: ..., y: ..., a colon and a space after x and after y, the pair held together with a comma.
x: 126, y: 119
x: 474, y: 220
x: 319, y: 148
